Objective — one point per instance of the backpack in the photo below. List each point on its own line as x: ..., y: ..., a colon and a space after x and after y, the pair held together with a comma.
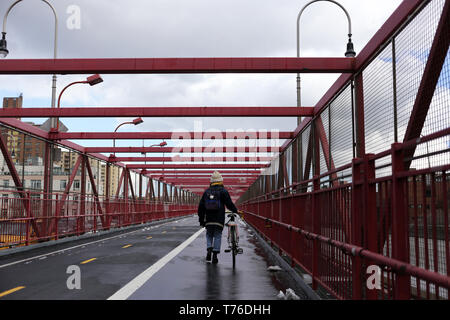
x: 212, y: 201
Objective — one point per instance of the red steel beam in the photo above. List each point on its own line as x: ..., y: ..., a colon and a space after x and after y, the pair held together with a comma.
x: 92, y: 112
x: 430, y: 78
x: 177, y: 65
x: 178, y: 149
x: 204, y: 182
x: 170, y: 135
x: 394, y: 22
x: 196, y: 184
x: 228, y: 179
x: 197, y: 166
x: 190, y: 176
x: 206, y: 172
x: 190, y: 159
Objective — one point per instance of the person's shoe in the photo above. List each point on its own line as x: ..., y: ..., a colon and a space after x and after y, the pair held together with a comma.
x: 208, y: 254
x: 214, y: 258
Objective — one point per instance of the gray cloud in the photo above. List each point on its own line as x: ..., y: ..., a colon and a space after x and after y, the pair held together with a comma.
x: 195, y: 28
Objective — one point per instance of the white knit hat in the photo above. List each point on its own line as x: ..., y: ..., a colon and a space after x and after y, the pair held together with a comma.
x: 216, y: 177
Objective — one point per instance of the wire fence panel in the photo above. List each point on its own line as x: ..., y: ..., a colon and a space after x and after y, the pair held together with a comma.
x: 388, y: 209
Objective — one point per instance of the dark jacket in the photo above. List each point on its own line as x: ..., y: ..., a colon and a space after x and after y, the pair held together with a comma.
x: 216, y: 217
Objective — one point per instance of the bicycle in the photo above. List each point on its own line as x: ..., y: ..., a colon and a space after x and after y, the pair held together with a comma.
x: 233, y: 238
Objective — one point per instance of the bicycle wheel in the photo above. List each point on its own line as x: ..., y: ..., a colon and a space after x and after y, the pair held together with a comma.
x: 233, y: 245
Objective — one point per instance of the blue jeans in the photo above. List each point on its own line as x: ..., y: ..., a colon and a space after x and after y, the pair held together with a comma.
x: 213, y: 237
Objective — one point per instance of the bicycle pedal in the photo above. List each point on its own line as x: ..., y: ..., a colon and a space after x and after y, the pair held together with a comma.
x: 227, y: 250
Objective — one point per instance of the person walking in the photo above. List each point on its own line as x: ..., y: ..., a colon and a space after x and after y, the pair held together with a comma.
x: 211, y: 214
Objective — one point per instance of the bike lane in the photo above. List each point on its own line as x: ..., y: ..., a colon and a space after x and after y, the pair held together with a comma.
x: 187, y: 276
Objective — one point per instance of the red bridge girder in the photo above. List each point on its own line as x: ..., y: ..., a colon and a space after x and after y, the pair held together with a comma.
x: 111, y: 112
x: 177, y: 65
x: 170, y: 135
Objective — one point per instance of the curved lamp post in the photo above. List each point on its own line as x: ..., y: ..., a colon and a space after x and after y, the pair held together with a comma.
x: 4, y: 49
x: 350, y: 53
x: 135, y: 122
x: 92, y: 81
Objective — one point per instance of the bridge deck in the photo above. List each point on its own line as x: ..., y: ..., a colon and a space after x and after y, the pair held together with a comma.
x: 111, y: 261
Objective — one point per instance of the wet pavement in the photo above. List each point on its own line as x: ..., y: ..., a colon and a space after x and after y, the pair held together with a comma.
x: 112, y: 262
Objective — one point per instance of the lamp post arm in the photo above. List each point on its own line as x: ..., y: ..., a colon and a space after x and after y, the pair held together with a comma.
x: 59, y: 99
x: 308, y: 4
x: 69, y: 85
x: 55, y: 49
x: 122, y: 125
x: 114, y: 140
x: 7, y: 13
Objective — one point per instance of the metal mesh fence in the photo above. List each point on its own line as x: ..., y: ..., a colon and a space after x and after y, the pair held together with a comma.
x: 305, y: 144
x: 324, y: 117
x: 341, y: 137
x: 379, y: 103
x: 412, y: 47
x: 391, y: 84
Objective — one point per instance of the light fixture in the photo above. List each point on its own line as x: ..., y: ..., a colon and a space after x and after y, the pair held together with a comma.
x: 95, y: 79
x: 350, y: 53
x: 137, y: 121
x: 3, y: 46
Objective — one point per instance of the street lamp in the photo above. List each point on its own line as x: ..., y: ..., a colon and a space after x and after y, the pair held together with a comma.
x: 350, y: 52
x: 135, y: 122
x: 162, y: 144
x: 4, y: 49
x: 92, y: 81
x: 3, y: 46
x: 4, y: 52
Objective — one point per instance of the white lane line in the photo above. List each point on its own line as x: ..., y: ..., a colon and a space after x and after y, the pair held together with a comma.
x: 131, y: 287
x: 74, y: 247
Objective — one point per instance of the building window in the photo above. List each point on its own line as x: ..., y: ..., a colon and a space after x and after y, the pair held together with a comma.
x: 35, y: 184
x: 76, y: 184
x: 62, y: 184
x: 5, y: 183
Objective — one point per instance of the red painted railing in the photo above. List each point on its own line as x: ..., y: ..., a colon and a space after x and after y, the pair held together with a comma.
x: 398, y: 222
x: 30, y: 217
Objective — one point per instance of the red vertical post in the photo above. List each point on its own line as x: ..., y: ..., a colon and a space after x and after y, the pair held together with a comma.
x: 315, y: 203
x: 28, y: 205
x: 82, y: 197
x: 359, y: 116
x: 125, y: 191
x: 400, y: 240
x: 371, y: 218
x: 316, y: 228
x: 46, y: 196
x: 107, y: 195
x: 57, y: 210
x: 358, y: 175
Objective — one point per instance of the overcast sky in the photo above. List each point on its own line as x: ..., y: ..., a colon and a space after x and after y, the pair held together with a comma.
x: 194, y: 28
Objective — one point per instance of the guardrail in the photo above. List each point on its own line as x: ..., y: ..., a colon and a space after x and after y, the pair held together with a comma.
x: 397, y: 223
x: 28, y: 217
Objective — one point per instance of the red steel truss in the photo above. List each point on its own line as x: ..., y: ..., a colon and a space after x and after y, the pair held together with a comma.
x: 321, y: 198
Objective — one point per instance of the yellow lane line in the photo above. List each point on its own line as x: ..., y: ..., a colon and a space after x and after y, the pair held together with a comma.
x: 127, y: 246
x: 87, y: 261
x: 164, y: 232
x: 5, y: 293
x: 149, y: 238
